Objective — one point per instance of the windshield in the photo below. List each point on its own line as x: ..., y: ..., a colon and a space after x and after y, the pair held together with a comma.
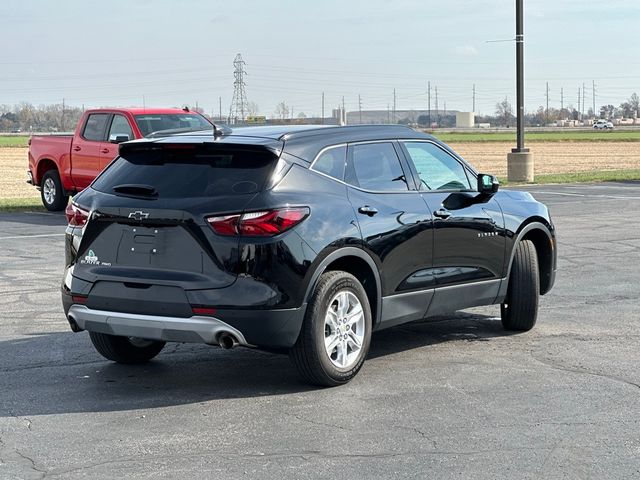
x: 149, y: 123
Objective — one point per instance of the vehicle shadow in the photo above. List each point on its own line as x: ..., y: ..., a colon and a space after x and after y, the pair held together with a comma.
x: 55, y: 373
x: 49, y: 219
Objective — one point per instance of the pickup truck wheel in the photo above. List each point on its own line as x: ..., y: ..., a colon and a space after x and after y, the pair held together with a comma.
x: 128, y: 350
x: 52, y: 193
x: 520, y: 309
x: 336, y: 331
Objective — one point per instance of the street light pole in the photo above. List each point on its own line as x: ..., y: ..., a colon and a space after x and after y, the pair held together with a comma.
x: 520, y: 76
x: 520, y: 160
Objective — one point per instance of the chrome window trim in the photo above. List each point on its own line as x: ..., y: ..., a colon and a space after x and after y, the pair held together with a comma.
x: 353, y: 186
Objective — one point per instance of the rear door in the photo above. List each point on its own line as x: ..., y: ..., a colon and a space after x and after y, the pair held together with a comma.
x: 469, y: 235
x: 395, y: 226
x: 85, y: 151
x: 119, y: 125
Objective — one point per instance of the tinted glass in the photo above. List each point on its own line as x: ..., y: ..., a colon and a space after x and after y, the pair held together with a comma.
x: 375, y: 166
x: 190, y: 172
x: 437, y: 169
x: 120, y: 126
x: 331, y: 162
x: 149, y: 124
x: 95, y: 126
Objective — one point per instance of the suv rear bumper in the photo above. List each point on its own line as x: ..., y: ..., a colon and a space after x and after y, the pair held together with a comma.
x: 195, y: 329
x: 276, y: 329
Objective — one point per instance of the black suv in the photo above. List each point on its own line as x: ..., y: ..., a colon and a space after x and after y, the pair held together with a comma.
x: 301, y: 240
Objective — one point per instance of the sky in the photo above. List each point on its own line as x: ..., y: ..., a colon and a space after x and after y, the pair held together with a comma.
x: 174, y: 53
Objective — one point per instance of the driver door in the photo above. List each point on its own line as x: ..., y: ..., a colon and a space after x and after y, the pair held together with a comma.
x: 469, y: 235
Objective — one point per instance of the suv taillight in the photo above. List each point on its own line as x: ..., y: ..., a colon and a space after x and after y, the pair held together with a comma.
x: 266, y: 223
x: 76, y: 216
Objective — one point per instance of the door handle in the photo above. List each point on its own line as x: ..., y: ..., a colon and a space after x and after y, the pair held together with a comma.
x: 77, y: 148
x: 104, y: 150
x: 442, y: 213
x: 367, y: 210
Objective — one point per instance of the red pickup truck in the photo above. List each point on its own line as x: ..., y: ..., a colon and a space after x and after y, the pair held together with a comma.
x: 62, y: 165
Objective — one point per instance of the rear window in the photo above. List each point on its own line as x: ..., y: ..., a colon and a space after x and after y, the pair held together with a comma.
x: 149, y: 124
x: 184, y: 171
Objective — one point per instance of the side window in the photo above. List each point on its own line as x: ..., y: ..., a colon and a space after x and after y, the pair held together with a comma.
x: 437, y: 169
x: 375, y: 166
x: 95, y: 126
x: 120, y: 126
x: 331, y: 162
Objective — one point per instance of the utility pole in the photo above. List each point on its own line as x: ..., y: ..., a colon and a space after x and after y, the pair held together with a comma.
x: 220, y: 109
x: 394, y: 105
x: 561, y: 100
x: 62, y: 119
x: 360, y: 108
x: 547, y: 111
x: 429, y: 110
x: 473, y: 109
x: 583, y: 97
x: 322, y: 119
x: 437, y: 114
x: 593, y: 83
x: 344, y: 113
x: 579, y: 110
x: 291, y: 112
x: 520, y: 160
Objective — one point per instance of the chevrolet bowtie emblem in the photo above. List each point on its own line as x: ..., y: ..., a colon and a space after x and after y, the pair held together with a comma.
x: 138, y: 215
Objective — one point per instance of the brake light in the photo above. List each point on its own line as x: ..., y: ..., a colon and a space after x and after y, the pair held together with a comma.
x: 259, y: 224
x: 76, y: 216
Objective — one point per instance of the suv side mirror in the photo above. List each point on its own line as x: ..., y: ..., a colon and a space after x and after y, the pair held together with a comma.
x: 119, y: 138
x: 487, y: 184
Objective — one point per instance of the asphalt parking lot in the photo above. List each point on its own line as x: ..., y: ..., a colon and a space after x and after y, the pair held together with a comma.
x: 457, y: 398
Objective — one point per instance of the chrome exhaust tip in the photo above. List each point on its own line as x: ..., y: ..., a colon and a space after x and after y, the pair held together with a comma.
x: 227, y: 341
x: 74, y: 325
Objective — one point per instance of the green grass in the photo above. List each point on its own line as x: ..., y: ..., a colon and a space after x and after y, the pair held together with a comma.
x: 14, y: 141
x: 21, y: 205
x: 562, y: 136
x: 585, y: 177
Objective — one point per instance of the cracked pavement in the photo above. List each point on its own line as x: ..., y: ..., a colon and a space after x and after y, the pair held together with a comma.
x: 454, y: 398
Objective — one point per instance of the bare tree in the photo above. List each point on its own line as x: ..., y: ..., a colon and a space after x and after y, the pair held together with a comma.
x: 282, y: 111
x: 252, y: 109
x: 504, y: 111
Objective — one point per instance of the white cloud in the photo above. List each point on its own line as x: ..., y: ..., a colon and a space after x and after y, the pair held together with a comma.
x: 467, y: 50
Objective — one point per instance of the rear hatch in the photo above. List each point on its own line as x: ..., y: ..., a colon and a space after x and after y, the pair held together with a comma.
x: 147, y: 238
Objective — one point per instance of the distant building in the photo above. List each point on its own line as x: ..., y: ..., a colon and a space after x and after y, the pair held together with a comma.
x: 465, y: 119
x: 419, y: 117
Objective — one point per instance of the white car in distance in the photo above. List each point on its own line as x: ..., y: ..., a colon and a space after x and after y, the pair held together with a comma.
x: 603, y: 125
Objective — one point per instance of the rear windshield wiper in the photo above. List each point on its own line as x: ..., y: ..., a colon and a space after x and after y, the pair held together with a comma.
x: 136, y: 189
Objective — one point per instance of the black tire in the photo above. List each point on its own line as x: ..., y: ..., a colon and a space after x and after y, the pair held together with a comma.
x: 520, y: 309
x: 309, y: 354
x: 124, y: 349
x: 52, y: 193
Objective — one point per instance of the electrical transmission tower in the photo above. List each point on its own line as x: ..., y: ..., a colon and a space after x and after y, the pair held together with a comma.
x: 239, y: 107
